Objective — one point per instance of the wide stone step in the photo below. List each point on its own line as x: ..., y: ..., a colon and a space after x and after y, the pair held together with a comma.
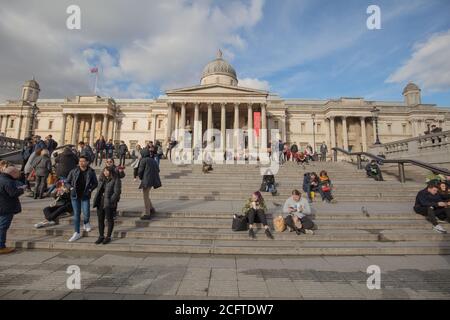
x: 226, y: 234
x: 196, y: 223
x: 249, y: 247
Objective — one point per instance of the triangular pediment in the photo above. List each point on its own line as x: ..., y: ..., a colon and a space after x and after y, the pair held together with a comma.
x: 217, y: 89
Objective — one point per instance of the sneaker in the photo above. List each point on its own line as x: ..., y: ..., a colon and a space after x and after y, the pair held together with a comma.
x: 40, y: 224
x: 7, y: 250
x: 87, y: 227
x: 439, y: 228
x: 76, y: 236
x: 45, y: 224
x: 251, y: 233
x: 309, y: 231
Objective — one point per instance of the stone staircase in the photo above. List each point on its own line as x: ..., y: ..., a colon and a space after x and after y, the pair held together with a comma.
x: 195, y: 211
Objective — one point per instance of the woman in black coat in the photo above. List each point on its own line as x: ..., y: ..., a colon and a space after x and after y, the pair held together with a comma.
x: 106, y: 200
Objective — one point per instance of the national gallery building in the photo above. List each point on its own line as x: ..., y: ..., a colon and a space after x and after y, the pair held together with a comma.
x: 219, y: 102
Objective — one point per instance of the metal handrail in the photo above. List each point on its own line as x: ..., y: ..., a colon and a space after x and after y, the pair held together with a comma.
x: 400, y: 162
x: 17, y: 152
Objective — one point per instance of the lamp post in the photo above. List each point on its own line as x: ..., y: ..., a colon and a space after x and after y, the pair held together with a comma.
x: 375, y: 114
x: 313, y: 116
x: 34, y: 112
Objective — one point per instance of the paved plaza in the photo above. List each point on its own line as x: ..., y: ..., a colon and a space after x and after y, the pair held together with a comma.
x: 36, y: 274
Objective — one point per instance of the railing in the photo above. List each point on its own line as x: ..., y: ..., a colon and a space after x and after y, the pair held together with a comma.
x: 10, y: 144
x: 401, y: 163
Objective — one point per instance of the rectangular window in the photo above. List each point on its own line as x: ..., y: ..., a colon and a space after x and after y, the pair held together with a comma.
x: 149, y: 125
x: 302, y: 127
x: 160, y: 124
x: 134, y: 125
x: 404, y: 128
x: 36, y: 124
x: 389, y: 127
x: 319, y: 127
x: 11, y: 124
x: 50, y: 125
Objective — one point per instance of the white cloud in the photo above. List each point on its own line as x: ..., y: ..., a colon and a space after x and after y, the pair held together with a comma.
x: 254, y: 84
x: 429, y: 64
x: 155, y: 43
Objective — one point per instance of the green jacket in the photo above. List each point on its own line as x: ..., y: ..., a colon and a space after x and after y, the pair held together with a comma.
x: 248, y: 206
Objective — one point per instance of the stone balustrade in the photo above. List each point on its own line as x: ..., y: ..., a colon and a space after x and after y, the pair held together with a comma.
x: 432, y: 148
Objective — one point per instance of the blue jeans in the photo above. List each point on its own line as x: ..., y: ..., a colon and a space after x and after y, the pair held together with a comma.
x: 78, y: 205
x: 5, y: 223
x: 157, y: 159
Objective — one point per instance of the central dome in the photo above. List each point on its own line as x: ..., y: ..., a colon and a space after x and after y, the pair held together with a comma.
x: 219, y: 71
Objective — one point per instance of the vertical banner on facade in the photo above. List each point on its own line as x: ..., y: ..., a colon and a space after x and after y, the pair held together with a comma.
x: 257, y: 122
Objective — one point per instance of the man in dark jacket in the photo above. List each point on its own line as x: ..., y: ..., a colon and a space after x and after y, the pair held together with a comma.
x: 100, y: 146
x: 323, y: 151
x: 81, y: 182
x: 109, y: 148
x: 65, y: 162
x: 149, y: 174
x: 86, y: 151
x: 429, y: 204
x: 123, y: 149
x: 10, y: 190
x: 51, y: 144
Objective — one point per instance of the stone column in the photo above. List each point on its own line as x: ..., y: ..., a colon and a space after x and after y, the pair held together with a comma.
x: 92, y: 131
x: 263, y: 127
x: 344, y: 132
x: 5, y: 124
x: 1, y: 123
x: 75, y: 129
x: 250, y: 126
x: 183, y: 119
x: 332, y: 132
x: 104, y: 132
x: 363, y: 134
x: 110, y: 127
x: 236, y: 126
x: 62, y: 137
x: 19, y: 128
x: 169, y: 120
x: 223, y: 125
x: 197, y: 130
x: 153, y: 131
x: 374, y: 130
x: 210, y: 122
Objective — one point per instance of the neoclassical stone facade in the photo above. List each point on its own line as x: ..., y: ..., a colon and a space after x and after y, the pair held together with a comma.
x: 220, y: 103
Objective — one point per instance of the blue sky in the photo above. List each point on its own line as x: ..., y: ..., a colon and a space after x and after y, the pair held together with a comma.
x: 312, y: 49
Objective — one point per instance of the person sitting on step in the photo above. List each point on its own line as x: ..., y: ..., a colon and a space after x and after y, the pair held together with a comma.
x: 268, y: 183
x: 256, y: 207
x: 296, y: 211
x: 301, y: 158
x: 310, y: 185
x: 325, y: 187
x: 61, y: 205
x: 430, y: 204
x: 106, y: 200
x: 373, y: 171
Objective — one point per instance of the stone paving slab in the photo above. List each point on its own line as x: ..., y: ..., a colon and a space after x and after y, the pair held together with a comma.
x: 42, y: 275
